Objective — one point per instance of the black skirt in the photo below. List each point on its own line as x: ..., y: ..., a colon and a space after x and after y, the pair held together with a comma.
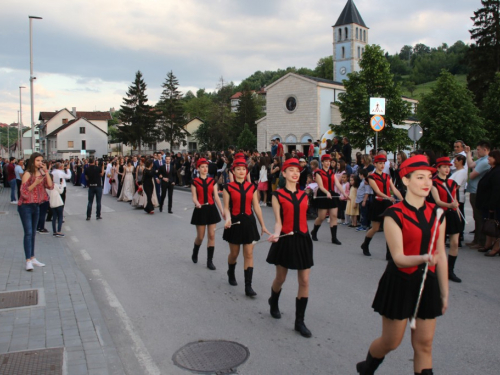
x: 453, y: 222
x: 397, y: 294
x: 292, y: 252
x: 205, y: 215
x: 244, y: 233
x: 325, y: 203
x: 377, y: 208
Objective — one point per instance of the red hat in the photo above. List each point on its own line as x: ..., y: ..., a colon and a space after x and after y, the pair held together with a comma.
x: 201, y: 161
x: 380, y: 159
x: 326, y: 157
x: 415, y: 163
x: 443, y: 161
x: 239, y: 162
x: 239, y: 155
x: 291, y: 163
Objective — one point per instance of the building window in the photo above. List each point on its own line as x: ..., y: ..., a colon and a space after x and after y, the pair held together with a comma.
x: 36, y: 132
x: 70, y: 144
x: 84, y: 145
x: 82, y: 130
x: 346, y: 33
x: 291, y: 104
x: 55, y: 144
x: 340, y: 34
x: 37, y: 141
x: 359, y: 52
x: 356, y: 33
x: 364, y: 35
x: 343, y: 52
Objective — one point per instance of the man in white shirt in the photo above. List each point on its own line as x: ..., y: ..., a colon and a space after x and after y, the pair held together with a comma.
x: 459, y: 149
x: 60, y: 174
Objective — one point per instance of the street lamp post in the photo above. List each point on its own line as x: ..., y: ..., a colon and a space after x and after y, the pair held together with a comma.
x: 20, y: 126
x: 31, y: 84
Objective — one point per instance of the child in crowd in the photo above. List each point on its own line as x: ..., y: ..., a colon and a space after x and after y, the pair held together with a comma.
x: 352, y: 209
x: 363, y: 198
x: 311, y: 188
x: 343, y: 200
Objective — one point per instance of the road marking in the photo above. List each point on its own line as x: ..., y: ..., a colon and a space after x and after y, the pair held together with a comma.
x: 75, y: 239
x: 138, y: 347
x: 85, y: 255
x: 177, y: 216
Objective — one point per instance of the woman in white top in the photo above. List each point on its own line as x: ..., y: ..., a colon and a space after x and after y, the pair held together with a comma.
x: 107, y: 186
x: 460, y: 177
x: 262, y: 187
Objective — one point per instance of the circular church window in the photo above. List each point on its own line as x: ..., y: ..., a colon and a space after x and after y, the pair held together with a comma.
x: 291, y: 104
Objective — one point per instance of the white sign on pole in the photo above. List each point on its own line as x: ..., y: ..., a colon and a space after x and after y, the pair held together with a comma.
x: 377, y: 106
x: 83, y: 152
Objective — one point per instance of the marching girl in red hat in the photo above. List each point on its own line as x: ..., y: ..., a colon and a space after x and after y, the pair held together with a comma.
x: 294, y: 250
x: 412, y: 227
x: 327, y: 199
x: 382, y: 186
x: 230, y: 174
x: 444, y: 192
x: 205, y: 214
x: 239, y: 198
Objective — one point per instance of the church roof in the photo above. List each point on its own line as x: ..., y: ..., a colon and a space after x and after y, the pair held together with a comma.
x: 323, y: 80
x: 350, y: 15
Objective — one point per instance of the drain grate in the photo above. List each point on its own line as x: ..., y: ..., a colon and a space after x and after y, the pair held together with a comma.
x: 33, y: 362
x: 20, y: 298
x: 211, y: 356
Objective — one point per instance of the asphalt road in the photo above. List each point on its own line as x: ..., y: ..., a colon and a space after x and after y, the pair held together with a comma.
x: 155, y: 300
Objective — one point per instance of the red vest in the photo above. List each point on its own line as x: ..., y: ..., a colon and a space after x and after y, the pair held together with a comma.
x: 293, y: 210
x: 383, y: 182
x: 204, y: 189
x: 452, y: 186
x: 240, y: 197
x: 417, y: 226
x: 328, y: 179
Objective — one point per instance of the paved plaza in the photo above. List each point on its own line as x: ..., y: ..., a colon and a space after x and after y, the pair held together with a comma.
x: 122, y: 296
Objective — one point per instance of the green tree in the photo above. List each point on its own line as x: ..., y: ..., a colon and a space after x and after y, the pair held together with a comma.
x: 374, y: 80
x: 139, y: 121
x: 411, y: 87
x: 324, y: 68
x: 448, y: 113
x: 246, y: 112
x: 171, y: 112
x: 484, y: 54
x: 247, y: 140
x: 491, y: 111
x: 202, y: 107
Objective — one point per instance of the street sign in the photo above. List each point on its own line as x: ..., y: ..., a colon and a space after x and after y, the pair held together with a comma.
x: 83, y: 152
x: 377, y: 123
x: 377, y: 106
x: 415, y: 132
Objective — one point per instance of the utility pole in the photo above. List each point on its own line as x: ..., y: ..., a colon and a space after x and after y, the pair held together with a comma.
x: 31, y: 18
x: 20, y: 138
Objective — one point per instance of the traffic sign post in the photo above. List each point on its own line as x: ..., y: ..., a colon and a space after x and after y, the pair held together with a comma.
x: 415, y: 132
x: 377, y: 123
x: 377, y: 106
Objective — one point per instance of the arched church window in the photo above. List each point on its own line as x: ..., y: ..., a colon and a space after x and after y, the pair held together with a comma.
x: 340, y: 34
x: 346, y: 33
x: 343, y: 52
x: 364, y: 35
x: 356, y: 33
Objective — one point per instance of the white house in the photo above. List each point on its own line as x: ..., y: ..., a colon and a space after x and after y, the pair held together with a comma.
x: 27, y: 150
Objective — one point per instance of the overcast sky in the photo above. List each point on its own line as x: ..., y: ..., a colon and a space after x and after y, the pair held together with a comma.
x: 86, y: 52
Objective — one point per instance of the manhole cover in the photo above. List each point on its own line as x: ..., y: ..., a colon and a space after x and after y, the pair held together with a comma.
x: 18, y: 299
x: 211, y: 356
x: 33, y: 362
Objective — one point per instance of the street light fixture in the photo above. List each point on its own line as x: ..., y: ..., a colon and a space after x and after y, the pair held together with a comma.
x: 31, y: 84
x: 20, y: 126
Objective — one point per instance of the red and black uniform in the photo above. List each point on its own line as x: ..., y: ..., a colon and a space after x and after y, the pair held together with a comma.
x: 208, y: 213
x: 294, y: 251
x: 328, y: 179
x: 453, y: 222
x: 240, y: 207
x: 398, y: 288
x: 380, y: 204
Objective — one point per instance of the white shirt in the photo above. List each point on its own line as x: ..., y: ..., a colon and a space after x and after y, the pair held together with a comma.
x: 57, y: 174
x: 460, y: 177
x: 387, y: 167
x: 453, y: 168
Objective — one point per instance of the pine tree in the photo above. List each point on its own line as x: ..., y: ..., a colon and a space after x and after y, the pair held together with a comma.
x: 491, y: 111
x: 247, y: 140
x: 138, y: 119
x: 171, y: 112
x: 374, y: 80
x: 246, y: 112
x: 484, y: 54
x: 448, y: 113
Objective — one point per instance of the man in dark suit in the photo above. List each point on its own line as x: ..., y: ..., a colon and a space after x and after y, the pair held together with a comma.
x: 157, y: 163
x: 167, y: 177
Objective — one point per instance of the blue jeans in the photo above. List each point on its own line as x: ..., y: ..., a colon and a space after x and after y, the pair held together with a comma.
x: 57, y: 215
x: 13, y: 189
x: 29, y: 218
x: 365, y: 221
x: 42, y: 215
x: 94, y: 191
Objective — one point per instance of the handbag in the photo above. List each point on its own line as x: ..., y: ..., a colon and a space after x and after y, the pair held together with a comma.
x: 491, y: 228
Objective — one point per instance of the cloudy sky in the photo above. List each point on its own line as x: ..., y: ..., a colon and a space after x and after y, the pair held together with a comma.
x: 86, y: 52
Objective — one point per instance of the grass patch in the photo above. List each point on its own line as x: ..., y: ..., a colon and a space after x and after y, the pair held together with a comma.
x: 425, y: 88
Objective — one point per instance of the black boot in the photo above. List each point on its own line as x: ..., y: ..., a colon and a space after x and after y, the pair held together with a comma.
x: 314, y: 232
x: 365, y: 246
x: 273, y: 302
x: 368, y: 366
x: 230, y: 274
x: 451, y: 267
x: 210, y: 256
x: 194, y: 257
x: 427, y: 371
x: 300, y: 310
x: 248, y: 282
x: 333, y: 230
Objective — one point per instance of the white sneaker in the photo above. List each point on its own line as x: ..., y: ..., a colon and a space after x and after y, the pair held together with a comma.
x: 29, y: 266
x: 37, y: 263
x: 13, y: 202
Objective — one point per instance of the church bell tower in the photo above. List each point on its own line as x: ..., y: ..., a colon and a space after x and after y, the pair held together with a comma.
x: 350, y: 37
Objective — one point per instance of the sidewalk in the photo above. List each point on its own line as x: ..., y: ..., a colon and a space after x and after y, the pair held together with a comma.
x: 67, y: 315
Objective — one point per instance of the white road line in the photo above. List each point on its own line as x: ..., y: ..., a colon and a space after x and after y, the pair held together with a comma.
x: 74, y: 239
x: 139, y: 348
x: 85, y: 255
x: 177, y: 216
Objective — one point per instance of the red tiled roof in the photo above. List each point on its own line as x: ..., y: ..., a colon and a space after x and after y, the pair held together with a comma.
x: 45, y: 116
x: 236, y: 96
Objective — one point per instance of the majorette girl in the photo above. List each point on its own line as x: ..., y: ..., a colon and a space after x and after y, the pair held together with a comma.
x: 239, y: 198
x: 294, y: 249
x: 327, y: 199
x: 409, y: 229
x: 205, y: 214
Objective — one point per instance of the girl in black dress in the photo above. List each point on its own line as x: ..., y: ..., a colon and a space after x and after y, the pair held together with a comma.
x: 205, y: 215
x: 292, y: 251
x: 408, y: 227
x: 148, y: 186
